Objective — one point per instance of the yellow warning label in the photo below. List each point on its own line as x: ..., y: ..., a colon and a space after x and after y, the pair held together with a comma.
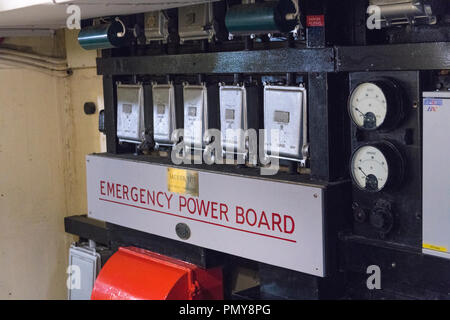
x: 182, y: 181
x: 435, y: 248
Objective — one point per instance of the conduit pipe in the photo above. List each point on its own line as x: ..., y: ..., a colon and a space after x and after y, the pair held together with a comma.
x: 51, y: 66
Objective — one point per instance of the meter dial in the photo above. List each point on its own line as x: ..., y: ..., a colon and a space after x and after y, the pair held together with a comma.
x: 376, y: 166
x: 376, y: 105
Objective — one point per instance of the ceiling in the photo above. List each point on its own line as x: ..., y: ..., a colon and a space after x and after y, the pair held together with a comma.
x: 35, y: 17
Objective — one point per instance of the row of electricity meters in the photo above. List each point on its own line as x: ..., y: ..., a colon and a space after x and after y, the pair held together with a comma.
x: 239, y: 111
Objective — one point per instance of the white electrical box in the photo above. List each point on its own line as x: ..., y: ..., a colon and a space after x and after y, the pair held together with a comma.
x: 156, y: 26
x: 285, y: 122
x: 195, y: 115
x: 84, y: 266
x: 195, y: 22
x: 130, y: 113
x: 436, y: 175
x: 233, y: 118
x: 164, y: 116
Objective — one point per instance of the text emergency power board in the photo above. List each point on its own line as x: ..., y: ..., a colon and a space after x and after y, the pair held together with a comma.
x: 277, y: 223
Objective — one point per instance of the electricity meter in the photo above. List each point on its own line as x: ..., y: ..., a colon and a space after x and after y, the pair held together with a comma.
x: 195, y: 115
x: 130, y: 113
x: 164, y: 116
x: 285, y: 122
x: 233, y: 118
x: 239, y: 112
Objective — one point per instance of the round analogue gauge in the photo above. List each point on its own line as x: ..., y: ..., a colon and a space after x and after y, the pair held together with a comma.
x: 376, y: 105
x: 375, y: 166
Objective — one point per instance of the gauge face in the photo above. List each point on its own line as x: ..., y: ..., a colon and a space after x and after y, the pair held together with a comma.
x: 368, y: 106
x: 370, y: 168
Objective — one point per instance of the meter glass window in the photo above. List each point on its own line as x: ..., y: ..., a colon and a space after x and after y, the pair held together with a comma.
x: 161, y: 109
x: 127, y: 108
x: 368, y: 106
x: 370, y: 169
x: 229, y: 114
x: 192, y: 111
x: 281, y: 117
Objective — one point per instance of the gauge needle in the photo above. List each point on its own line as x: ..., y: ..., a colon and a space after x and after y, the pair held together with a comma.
x: 362, y: 171
x: 359, y: 111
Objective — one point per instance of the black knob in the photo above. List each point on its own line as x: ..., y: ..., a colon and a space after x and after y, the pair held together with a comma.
x: 381, y: 217
x: 358, y: 213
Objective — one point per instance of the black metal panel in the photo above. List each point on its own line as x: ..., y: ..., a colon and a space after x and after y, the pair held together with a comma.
x: 288, y: 284
x: 279, y: 283
x: 318, y: 129
x: 148, y: 109
x: 418, y: 56
x: 328, y: 125
x: 263, y: 61
x: 205, y: 258
x: 315, y: 35
x: 87, y: 228
x: 110, y: 98
x: 405, y: 274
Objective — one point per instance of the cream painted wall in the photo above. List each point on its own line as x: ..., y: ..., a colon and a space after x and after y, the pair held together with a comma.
x: 44, y: 137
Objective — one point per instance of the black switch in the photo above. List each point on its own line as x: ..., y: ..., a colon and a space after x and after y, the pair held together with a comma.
x: 89, y: 108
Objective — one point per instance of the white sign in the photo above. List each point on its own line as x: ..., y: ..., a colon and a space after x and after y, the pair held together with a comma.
x: 278, y: 223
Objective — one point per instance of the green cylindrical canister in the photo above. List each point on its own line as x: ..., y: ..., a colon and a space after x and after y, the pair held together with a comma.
x: 259, y: 17
x: 251, y: 18
x: 103, y: 36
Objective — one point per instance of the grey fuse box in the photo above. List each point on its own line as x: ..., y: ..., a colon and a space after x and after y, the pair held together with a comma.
x: 436, y: 175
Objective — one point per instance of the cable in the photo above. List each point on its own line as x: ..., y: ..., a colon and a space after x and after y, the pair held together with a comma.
x: 33, y: 56
x: 59, y: 74
x: 37, y: 63
x: 51, y: 66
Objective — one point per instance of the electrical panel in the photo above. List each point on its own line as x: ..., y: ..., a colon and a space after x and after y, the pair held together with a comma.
x: 385, y: 164
x: 130, y: 113
x: 339, y: 111
x: 436, y: 176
